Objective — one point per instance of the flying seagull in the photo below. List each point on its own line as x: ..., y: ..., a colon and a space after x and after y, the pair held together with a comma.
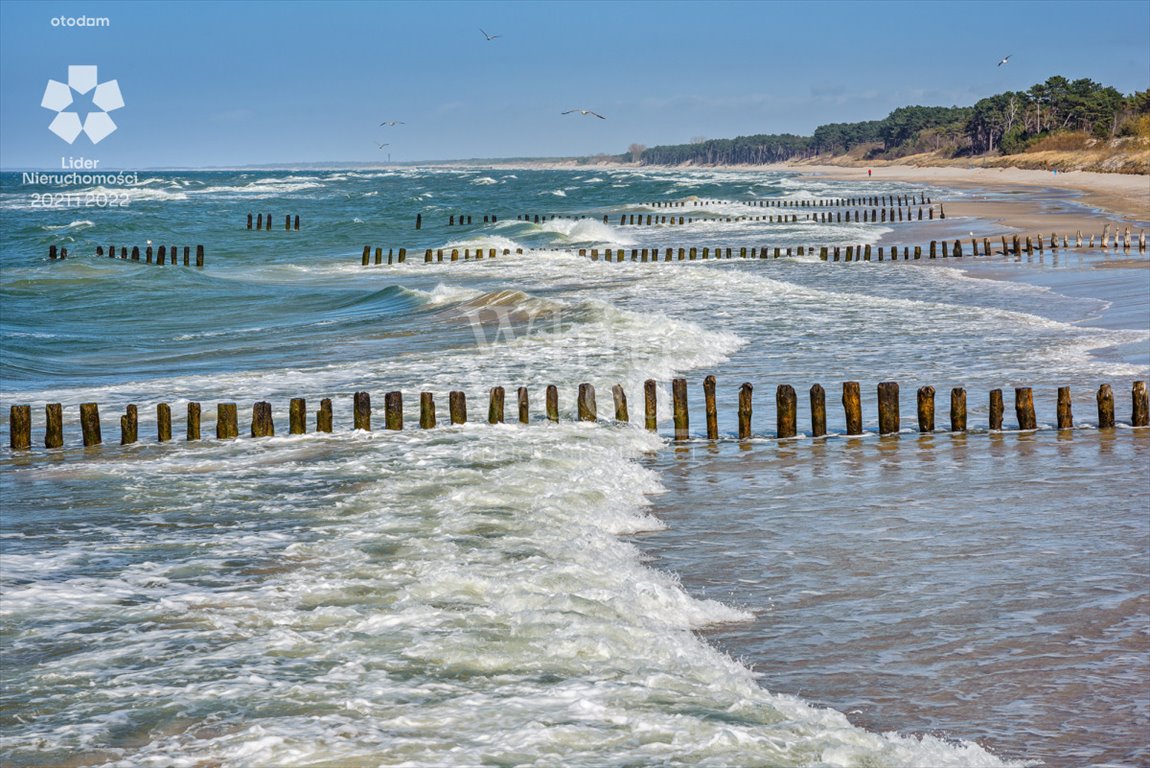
x: 585, y: 112
x: 1004, y: 60
x: 489, y: 37
x: 393, y: 122
x: 381, y: 146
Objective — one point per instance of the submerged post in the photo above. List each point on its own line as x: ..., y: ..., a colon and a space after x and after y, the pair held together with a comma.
x: 786, y: 418
x: 457, y: 405
x: 818, y: 410
x: 1024, y: 408
x: 20, y: 427
x: 90, y: 423
x: 679, y: 401
x: 1105, y: 407
x: 586, y: 403
x: 495, y: 405
x: 888, y: 417
x: 552, y: 403
x: 227, y: 421
x: 958, y: 410
x: 129, y: 425
x: 524, y: 406
x: 1065, y: 414
x: 361, y: 407
x: 996, y: 410
x: 323, y: 421
x: 926, y: 409
x: 711, y: 411
x: 745, y: 392
x: 192, y: 431
x: 426, y: 410
x: 54, y: 425
x: 393, y: 411
x: 1140, y: 410
x: 297, y: 416
x: 852, y: 405
x: 620, y: 404
x: 163, y: 422
x: 650, y: 413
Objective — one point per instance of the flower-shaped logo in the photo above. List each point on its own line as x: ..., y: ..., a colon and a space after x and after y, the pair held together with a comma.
x: 62, y: 99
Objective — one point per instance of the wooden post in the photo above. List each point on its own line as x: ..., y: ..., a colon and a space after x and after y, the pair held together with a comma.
x: 1105, y: 407
x: 361, y: 406
x: 393, y: 411
x: 262, y: 425
x: 1140, y: 411
x: 54, y: 425
x: 268, y: 222
x: 199, y: 255
x: 681, y: 417
x: 249, y: 221
x: 129, y: 425
x: 426, y: 410
x: 260, y: 222
x: 495, y: 406
x: 457, y: 405
x: 193, y: 422
x: 926, y: 409
x: 552, y: 403
x: 323, y: 420
x: 1024, y: 408
x: 785, y: 410
x: 90, y: 423
x: 1065, y: 414
x: 20, y: 427
x: 287, y: 223
x: 524, y: 406
x: 297, y: 416
x: 711, y: 411
x: 587, y: 410
x: 818, y: 410
x: 958, y: 410
x: 296, y: 227
x: 888, y: 416
x: 852, y: 405
x: 419, y: 221
x: 745, y: 392
x: 227, y: 421
x: 163, y: 422
x: 996, y: 410
x: 620, y: 404
x: 650, y: 407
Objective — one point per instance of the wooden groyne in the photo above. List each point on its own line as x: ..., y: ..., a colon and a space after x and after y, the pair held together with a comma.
x: 263, y: 221
x: 159, y: 255
x: 399, y: 256
x: 889, y: 415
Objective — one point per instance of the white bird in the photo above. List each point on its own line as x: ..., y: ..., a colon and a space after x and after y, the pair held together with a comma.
x: 489, y: 37
x: 1004, y: 60
x: 393, y: 122
x: 585, y: 112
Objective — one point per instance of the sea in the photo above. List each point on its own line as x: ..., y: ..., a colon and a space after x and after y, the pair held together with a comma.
x: 570, y: 593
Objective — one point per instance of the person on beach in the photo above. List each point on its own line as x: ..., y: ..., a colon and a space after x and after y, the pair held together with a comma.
x: 868, y: 172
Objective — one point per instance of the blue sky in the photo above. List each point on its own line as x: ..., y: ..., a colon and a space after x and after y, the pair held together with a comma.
x: 231, y: 83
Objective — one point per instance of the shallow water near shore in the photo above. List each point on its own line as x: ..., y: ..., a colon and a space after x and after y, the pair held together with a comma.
x: 570, y: 594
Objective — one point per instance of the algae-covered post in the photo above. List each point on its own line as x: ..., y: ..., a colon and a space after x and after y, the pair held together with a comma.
x: 129, y: 425
x: 163, y: 422
x: 1105, y: 407
x: 297, y: 416
x: 586, y: 403
x: 524, y: 406
x: 1140, y: 409
x: 20, y: 427
x: 1065, y: 414
x: 552, y: 403
x: 888, y: 417
x: 90, y: 423
x: 786, y: 418
x: 393, y: 410
x: 1024, y: 408
x: 620, y: 404
x: 926, y: 409
x: 426, y: 410
x: 262, y: 425
x: 457, y: 406
x: 997, y: 408
x: 852, y: 406
x: 361, y: 406
x: 323, y: 420
x: 679, y: 401
x: 745, y: 392
x: 958, y: 410
x: 495, y: 405
x: 650, y: 413
x: 818, y: 410
x: 192, y: 431
x: 53, y: 425
x: 710, y: 408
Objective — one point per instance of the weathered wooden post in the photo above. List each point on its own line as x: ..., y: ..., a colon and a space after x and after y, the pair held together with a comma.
x: 888, y: 416
x: 262, y: 425
x: 958, y: 410
x: 1140, y: 410
x: 20, y: 427
x: 426, y: 410
x: 457, y: 405
x: 163, y: 422
x: 926, y: 409
x: 323, y: 420
x: 495, y: 405
x: 297, y: 222
x: 933, y: 247
x: 680, y: 415
x: 818, y: 410
x: 852, y: 405
x: 620, y: 404
x: 712, y: 412
x: 786, y: 419
x: 745, y: 392
x: 297, y: 416
x: 129, y: 425
x: 551, y: 403
x: 393, y: 411
x: 1065, y: 414
x: 260, y: 222
x: 199, y: 255
x: 227, y: 421
x: 249, y: 221
x: 287, y: 222
x: 162, y: 255
x: 650, y: 414
x: 586, y: 403
x: 90, y: 423
x: 361, y: 409
x: 54, y: 425
x: 994, y: 421
x: 1105, y: 407
x: 419, y: 221
x: 192, y: 432
x: 1024, y: 408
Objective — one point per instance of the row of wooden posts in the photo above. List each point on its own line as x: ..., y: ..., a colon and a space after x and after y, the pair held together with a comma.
x: 870, y: 200
x: 429, y: 255
x: 160, y: 256
x: 786, y: 400
x: 264, y: 222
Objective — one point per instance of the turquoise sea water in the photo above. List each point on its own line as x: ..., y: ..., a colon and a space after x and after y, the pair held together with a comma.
x: 568, y: 594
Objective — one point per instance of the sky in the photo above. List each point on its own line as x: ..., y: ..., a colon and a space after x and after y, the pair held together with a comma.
x: 221, y: 84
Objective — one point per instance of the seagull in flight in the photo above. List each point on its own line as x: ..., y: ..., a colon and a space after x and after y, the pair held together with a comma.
x: 585, y: 112
x: 381, y: 146
x: 1004, y: 60
x: 489, y: 37
x: 393, y: 122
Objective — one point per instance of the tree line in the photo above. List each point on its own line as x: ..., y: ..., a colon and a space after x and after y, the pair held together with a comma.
x: 1006, y: 123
